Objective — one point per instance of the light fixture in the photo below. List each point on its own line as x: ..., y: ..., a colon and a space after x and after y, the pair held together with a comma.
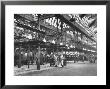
x: 68, y: 48
x: 61, y: 43
x: 67, y: 45
x: 53, y: 42
x: 71, y: 46
x: 44, y: 40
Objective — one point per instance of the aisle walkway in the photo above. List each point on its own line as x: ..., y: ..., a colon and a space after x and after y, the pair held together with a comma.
x: 72, y: 69
x: 24, y: 69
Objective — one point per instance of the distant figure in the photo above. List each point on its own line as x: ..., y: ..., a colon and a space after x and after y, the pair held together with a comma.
x: 56, y: 60
x: 16, y: 57
x: 37, y: 56
x: 51, y: 60
x: 62, y: 60
x: 28, y: 58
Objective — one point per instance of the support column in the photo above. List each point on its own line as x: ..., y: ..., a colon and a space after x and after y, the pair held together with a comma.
x: 38, y: 61
x: 19, y: 62
x: 57, y: 31
x: 61, y: 33
x: 28, y: 56
x: 65, y: 41
x: 81, y: 41
x: 77, y: 46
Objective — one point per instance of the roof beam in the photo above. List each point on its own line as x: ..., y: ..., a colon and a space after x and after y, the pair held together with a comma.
x: 46, y: 16
x: 66, y: 19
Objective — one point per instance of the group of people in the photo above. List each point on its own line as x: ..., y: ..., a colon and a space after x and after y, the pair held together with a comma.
x: 57, y: 59
x: 30, y: 57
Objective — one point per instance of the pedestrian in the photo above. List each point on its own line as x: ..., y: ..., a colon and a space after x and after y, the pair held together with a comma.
x: 62, y: 60
x: 37, y: 56
x: 56, y: 60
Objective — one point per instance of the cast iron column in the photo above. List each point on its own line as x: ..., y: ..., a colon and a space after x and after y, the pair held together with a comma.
x: 38, y: 61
